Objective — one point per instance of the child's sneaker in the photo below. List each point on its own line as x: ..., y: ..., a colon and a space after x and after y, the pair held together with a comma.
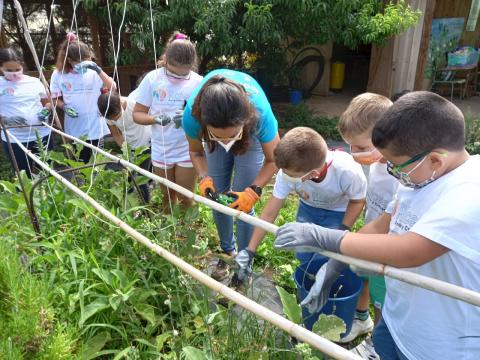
x: 366, y: 350
x: 359, y: 327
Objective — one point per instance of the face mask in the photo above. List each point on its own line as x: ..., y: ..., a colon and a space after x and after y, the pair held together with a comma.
x: 174, y: 78
x: 294, y: 180
x: 367, y: 157
x: 404, y: 178
x: 13, y: 75
x: 78, y: 68
x: 227, y: 146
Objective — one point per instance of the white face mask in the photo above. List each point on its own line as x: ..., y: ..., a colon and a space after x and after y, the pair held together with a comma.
x: 13, y: 75
x: 294, y: 180
x: 227, y: 146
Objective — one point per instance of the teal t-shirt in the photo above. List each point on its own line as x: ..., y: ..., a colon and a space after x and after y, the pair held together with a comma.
x: 267, y: 126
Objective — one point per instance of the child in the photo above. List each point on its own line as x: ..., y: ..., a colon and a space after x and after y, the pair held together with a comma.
x: 431, y: 228
x: 23, y: 103
x: 355, y: 126
x: 331, y: 187
x: 118, y: 111
x: 161, y: 98
x: 76, y: 85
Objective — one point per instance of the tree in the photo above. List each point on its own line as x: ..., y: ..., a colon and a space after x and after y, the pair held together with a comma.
x: 227, y: 29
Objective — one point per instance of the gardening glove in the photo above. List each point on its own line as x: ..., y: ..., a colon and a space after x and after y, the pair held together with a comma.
x: 244, y: 200
x: 319, y: 292
x: 44, y: 114
x: 70, y: 111
x: 244, y: 261
x: 11, y: 121
x: 177, y: 119
x: 89, y: 65
x: 162, y: 119
x: 305, y: 237
x: 207, y: 189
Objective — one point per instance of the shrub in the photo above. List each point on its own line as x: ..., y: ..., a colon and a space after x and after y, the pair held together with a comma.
x: 301, y: 115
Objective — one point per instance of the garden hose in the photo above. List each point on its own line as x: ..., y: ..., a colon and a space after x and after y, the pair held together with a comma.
x: 314, y: 59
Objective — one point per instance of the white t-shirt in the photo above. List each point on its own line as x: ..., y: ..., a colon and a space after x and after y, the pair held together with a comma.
x: 165, y: 96
x: 22, y: 98
x: 81, y: 92
x: 344, y: 181
x: 381, y: 189
x: 136, y: 135
x: 424, y: 324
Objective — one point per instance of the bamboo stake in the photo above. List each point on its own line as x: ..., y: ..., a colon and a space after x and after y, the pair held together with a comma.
x: 439, y: 286
x: 291, y: 328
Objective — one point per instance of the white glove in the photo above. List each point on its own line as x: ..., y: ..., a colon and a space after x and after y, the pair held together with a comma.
x: 244, y: 261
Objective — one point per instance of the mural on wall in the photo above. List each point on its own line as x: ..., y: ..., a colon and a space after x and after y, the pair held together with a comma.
x: 445, y: 37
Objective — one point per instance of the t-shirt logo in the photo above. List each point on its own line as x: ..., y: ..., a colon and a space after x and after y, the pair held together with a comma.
x: 159, y: 94
x: 67, y: 86
x: 8, y: 91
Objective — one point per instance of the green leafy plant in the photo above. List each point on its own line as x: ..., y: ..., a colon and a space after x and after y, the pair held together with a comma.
x: 301, y: 115
x: 472, y: 134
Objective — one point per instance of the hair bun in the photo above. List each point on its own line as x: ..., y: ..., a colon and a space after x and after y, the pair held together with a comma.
x: 71, y: 36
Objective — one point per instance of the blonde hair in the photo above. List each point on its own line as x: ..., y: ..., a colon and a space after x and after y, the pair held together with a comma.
x: 362, y: 113
x: 301, y: 149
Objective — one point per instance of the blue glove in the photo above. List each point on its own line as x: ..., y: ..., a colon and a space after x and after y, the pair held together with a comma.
x: 87, y: 64
x: 70, y: 111
x: 324, y: 279
x: 244, y: 261
x: 305, y: 237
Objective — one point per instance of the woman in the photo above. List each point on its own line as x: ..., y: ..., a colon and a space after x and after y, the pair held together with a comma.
x: 23, y: 103
x: 230, y: 113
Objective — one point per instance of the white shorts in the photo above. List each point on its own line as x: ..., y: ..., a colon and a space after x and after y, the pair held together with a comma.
x: 168, y: 166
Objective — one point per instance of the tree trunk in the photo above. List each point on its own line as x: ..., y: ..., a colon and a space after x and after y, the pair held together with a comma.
x: 53, y: 32
x: 29, y: 62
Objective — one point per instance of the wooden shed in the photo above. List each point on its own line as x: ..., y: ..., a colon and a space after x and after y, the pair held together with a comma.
x: 402, y: 63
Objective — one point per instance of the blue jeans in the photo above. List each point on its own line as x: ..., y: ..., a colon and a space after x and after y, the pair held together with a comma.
x: 23, y: 161
x: 222, y: 166
x: 326, y: 218
x: 384, y: 344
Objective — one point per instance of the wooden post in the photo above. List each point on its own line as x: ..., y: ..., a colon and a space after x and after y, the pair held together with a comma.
x: 94, y: 30
x: 424, y: 44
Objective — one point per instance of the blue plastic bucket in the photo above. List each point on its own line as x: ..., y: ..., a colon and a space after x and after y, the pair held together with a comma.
x: 296, y: 97
x: 342, y: 301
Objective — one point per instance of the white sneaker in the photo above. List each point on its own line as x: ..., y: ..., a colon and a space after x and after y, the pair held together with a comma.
x: 366, y: 350
x: 359, y: 327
